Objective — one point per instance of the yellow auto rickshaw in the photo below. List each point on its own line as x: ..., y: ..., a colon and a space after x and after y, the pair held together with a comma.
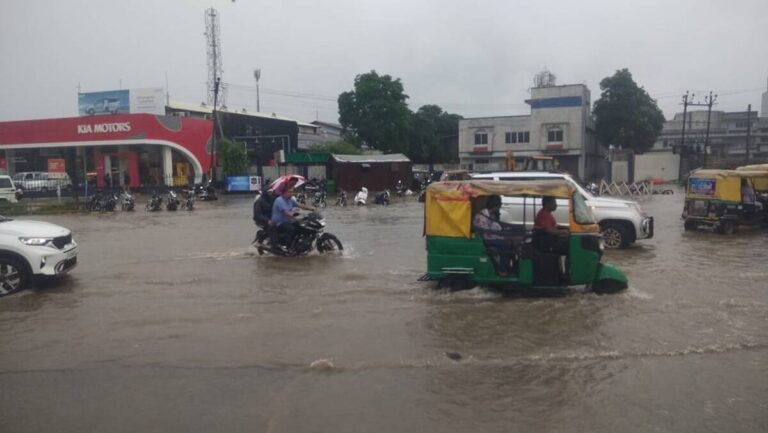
x: 725, y: 199
x: 460, y: 252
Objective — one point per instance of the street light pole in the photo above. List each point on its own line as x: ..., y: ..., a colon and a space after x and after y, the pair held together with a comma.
x: 257, y: 76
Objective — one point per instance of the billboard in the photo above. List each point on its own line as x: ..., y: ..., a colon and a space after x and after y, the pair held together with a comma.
x: 149, y: 101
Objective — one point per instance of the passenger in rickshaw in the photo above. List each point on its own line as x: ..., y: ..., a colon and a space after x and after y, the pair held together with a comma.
x: 749, y: 199
x: 486, y: 224
x: 547, y: 236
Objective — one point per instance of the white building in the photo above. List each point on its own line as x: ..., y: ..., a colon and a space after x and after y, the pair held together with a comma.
x: 559, y: 124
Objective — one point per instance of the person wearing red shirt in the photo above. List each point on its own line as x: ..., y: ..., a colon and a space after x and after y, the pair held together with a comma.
x: 545, y: 221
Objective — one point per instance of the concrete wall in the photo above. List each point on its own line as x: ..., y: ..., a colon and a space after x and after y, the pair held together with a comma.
x: 663, y: 165
x: 620, y: 171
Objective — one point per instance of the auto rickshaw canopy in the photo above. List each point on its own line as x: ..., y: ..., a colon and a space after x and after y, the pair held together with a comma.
x: 760, y: 181
x: 448, y: 206
x: 724, y: 184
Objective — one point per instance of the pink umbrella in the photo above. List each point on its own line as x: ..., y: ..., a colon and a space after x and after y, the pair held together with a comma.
x: 278, y: 185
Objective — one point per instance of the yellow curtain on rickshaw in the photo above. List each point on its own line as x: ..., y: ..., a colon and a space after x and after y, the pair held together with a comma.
x: 448, y: 213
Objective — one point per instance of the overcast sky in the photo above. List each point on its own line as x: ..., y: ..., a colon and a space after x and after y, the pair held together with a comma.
x: 474, y: 58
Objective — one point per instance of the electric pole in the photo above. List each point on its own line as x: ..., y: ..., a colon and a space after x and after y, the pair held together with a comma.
x: 749, y: 128
x: 709, y: 101
x: 682, y: 138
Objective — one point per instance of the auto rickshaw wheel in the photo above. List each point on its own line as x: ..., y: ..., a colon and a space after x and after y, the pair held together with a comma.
x: 690, y: 225
x: 727, y: 227
x: 608, y: 286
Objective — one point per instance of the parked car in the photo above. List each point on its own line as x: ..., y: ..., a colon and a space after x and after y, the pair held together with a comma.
x: 42, y: 181
x: 33, y: 249
x: 622, y: 222
x: 8, y: 191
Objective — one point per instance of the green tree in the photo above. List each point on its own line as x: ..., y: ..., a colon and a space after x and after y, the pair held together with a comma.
x: 342, y: 147
x: 375, y: 112
x: 234, y: 157
x: 434, y: 135
x: 625, y: 115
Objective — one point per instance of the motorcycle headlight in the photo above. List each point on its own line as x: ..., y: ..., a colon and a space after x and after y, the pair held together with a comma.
x: 38, y: 242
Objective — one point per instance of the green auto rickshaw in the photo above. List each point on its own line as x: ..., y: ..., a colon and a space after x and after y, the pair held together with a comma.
x: 460, y: 254
x: 725, y: 199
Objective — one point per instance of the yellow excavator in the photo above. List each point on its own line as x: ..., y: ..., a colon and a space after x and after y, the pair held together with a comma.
x: 532, y: 163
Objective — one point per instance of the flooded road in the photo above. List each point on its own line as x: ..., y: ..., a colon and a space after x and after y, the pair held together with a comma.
x: 173, y: 323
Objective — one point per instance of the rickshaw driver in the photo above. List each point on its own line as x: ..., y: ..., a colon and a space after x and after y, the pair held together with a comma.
x: 545, y: 222
x: 487, y: 220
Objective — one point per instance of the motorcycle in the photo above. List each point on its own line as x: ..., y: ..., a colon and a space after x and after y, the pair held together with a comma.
x: 308, y: 236
x: 382, y: 198
x: 400, y: 189
x: 128, y: 202
x: 341, y: 199
x: 172, y: 201
x: 361, y: 197
x: 110, y: 202
x: 94, y: 203
x: 155, y: 203
x: 189, y: 200
x: 206, y: 192
x: 319, y: 198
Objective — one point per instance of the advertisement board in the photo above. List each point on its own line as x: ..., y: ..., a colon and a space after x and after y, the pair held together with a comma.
x: 242, y: 183
x: 701, y: 186
x: 103, y: 103
x: 56, y: 165
x: 150, y: 101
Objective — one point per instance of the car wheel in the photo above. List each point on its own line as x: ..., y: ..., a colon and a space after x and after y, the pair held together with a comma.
x: 13, y: 276
x: 615, y: 236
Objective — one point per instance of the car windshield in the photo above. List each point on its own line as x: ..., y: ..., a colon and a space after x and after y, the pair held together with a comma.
x: 581, y: 212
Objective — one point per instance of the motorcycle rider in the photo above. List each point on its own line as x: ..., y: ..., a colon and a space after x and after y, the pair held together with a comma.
x: 262, y: 210
x: 282, y: 216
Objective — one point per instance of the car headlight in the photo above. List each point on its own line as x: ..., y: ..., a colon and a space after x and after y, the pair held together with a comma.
x: 36, y: 241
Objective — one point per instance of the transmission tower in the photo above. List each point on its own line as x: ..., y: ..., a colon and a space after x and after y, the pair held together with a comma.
x: 213, y: 41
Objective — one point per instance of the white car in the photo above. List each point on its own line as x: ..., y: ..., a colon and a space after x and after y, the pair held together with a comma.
x: 42, y: 181
x: 622, y: 222
x: 33, y: 249
x: 8, y: 191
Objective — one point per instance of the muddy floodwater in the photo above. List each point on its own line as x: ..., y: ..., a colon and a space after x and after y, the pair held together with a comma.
x: 173, y: 323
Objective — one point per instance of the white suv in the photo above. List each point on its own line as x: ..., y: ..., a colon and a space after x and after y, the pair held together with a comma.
x: 33, y: 248
x: 622, y: 222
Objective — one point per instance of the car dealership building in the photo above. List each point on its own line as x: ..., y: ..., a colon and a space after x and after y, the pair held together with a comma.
x: 122, y: 149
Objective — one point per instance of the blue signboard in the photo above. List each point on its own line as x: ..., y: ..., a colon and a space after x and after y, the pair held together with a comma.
x: 701, y: 186
x: 242, y: 183
x: 101, y: 103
